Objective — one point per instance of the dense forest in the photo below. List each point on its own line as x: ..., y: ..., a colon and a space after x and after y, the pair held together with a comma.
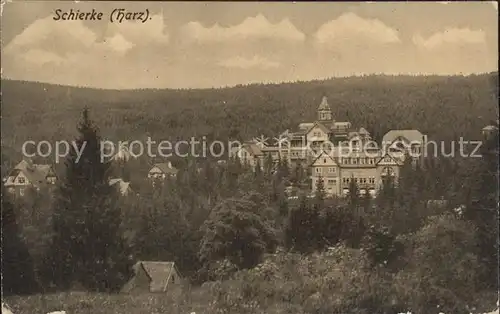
x: 231, y: 230
x: 444, y: 108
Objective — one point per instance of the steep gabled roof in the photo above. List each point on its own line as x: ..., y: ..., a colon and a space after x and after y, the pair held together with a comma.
x: 159, y: 274
x: 394, y: 158
x: 36, y: 173
x: 325, y: 155
x: 306, y: 126
x: 166, y: 167
x: 252, y: 149
x: 320, y: 125
x: 410, y: 135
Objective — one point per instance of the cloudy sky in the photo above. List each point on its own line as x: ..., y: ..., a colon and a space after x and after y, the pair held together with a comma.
x: 192, y: 45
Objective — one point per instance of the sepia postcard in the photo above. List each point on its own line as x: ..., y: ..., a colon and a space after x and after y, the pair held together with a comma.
x: 249, y: 157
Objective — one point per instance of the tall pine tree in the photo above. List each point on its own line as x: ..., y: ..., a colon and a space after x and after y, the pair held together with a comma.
x: 18, y: 276
x: 88, y: 247
x: 320, y: 193
x: 268, y: 165
x: 303, y: 228
x: 482, y: 209
x: 353, y: 196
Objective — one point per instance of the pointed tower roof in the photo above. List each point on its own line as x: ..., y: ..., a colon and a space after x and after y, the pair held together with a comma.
x: 324, y: 104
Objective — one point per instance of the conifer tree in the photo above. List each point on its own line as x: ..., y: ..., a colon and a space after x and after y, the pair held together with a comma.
x: 298, y: 174
x: 283, y: 207
x: 331, y: 221
x: 258, y: 169
x: 278, y: 189
x: 482, y: 209
x: 385, y: 203
x: 408, y: 197
x: 365, y: 202
x: 18, y: 276
x: 353, y: 195
x: 303, y: 228
x: 320, y: 192
x: 88, y: 247
x: 387, y: 192
x: 285, y: 168
x: 279, y: 169
x: 268, y: 165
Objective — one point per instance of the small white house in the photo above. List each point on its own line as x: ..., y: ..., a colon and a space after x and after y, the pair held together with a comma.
x: 162, y: 170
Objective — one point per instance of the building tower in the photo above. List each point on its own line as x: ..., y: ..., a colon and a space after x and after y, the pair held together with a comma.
x: 324, y: 111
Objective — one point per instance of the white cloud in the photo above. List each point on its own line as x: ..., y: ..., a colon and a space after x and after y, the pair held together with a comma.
x: 251, y: 28
x: 453, y: 36
x: 138, y: 32
x: 64, y: 43
x: 53, y: 35
x: 118, y: 43
x: 134, y: 54
x: 350, y: 27
x: 40, y: 57
x: 245, y: 63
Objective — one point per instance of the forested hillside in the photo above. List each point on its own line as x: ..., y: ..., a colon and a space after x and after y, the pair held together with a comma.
x: 442, y: 107
x: 240, y: 242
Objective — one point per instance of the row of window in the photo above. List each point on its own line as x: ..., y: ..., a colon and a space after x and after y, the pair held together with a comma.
x: 298, y: 154
x: 358, y: 161
x: 320, y: 170
x: 370, y: 180
x: 331, y: 182
x: 413, y: 149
